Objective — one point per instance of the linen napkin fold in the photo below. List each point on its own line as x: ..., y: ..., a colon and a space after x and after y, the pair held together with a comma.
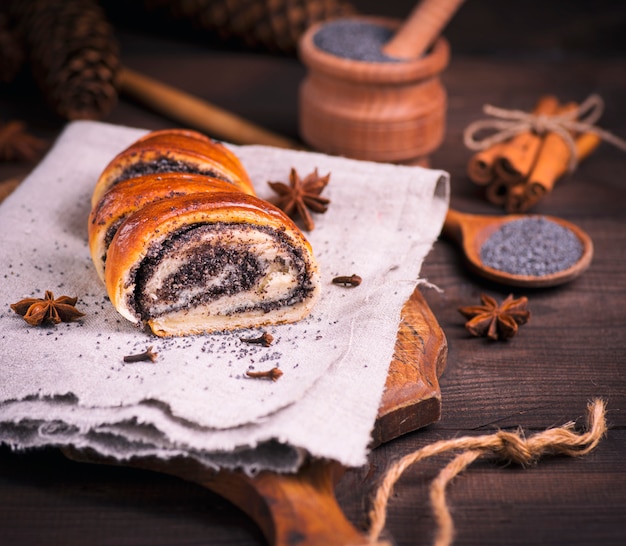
x: 68, y: 384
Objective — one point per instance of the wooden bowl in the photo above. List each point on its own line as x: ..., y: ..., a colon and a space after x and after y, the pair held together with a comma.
x: 379, y: 111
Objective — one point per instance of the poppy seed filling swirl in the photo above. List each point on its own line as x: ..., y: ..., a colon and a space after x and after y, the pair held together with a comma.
x: 164, y: 164
x: 227, y: 268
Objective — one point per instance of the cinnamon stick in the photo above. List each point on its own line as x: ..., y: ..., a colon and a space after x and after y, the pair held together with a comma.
x: 546, y: 173
x: 518, y: 156
x: 480, y: 166
x: 515, y: 197
x: 497, y: 191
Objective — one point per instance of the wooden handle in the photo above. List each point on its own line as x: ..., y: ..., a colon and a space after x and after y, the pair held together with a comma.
x: 197, y: 113
x: 453, y: 225
x: 289, y: 508
x: 420, y: 30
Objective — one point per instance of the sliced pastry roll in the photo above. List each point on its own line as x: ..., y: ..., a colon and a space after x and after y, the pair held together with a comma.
x: 209, y: 262
x: 194, y: 250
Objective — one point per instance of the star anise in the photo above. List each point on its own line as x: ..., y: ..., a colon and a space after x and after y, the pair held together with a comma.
x: 302, y: 196
x: 496, y: 321
x: 16, y: 144
x: 38, y: 311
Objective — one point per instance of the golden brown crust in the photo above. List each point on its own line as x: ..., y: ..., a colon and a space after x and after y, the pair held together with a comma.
x: 184, y: 146
x: 131, y: 195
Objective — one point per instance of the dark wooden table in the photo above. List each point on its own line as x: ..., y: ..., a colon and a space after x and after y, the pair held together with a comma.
x: 572, y: 350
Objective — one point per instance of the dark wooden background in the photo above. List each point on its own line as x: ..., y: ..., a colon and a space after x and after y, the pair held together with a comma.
x: 572, y: 350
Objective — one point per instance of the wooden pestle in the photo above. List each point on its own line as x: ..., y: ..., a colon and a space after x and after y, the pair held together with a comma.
x: 420, y: 30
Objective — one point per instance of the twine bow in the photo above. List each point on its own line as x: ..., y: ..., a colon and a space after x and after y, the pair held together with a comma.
x: 509, y: 123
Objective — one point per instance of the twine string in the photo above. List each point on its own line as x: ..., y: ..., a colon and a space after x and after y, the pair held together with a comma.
x: 509, y: 123
x: 509, y: 446
x: 443, y: 519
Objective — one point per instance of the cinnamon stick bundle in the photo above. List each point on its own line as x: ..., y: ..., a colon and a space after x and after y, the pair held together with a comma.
x: 518, y: 172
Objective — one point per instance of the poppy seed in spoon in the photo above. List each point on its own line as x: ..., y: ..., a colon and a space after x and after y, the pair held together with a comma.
x: 356, y: 40
x: 533, y: 246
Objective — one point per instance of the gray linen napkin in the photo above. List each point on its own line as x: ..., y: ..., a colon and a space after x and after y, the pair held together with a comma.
x: 68, y: 384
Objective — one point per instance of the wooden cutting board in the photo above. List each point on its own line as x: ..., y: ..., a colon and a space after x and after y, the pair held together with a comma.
x: 301, y: 508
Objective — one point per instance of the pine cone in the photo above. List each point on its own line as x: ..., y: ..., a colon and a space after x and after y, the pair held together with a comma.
x: 73, y: 53
x: 272, y: 25
x: 11, y: 52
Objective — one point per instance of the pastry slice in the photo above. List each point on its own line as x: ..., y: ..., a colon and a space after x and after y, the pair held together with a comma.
x: 210, y: 262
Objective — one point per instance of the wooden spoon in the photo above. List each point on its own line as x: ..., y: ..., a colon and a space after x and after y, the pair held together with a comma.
x: 472, y: 230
